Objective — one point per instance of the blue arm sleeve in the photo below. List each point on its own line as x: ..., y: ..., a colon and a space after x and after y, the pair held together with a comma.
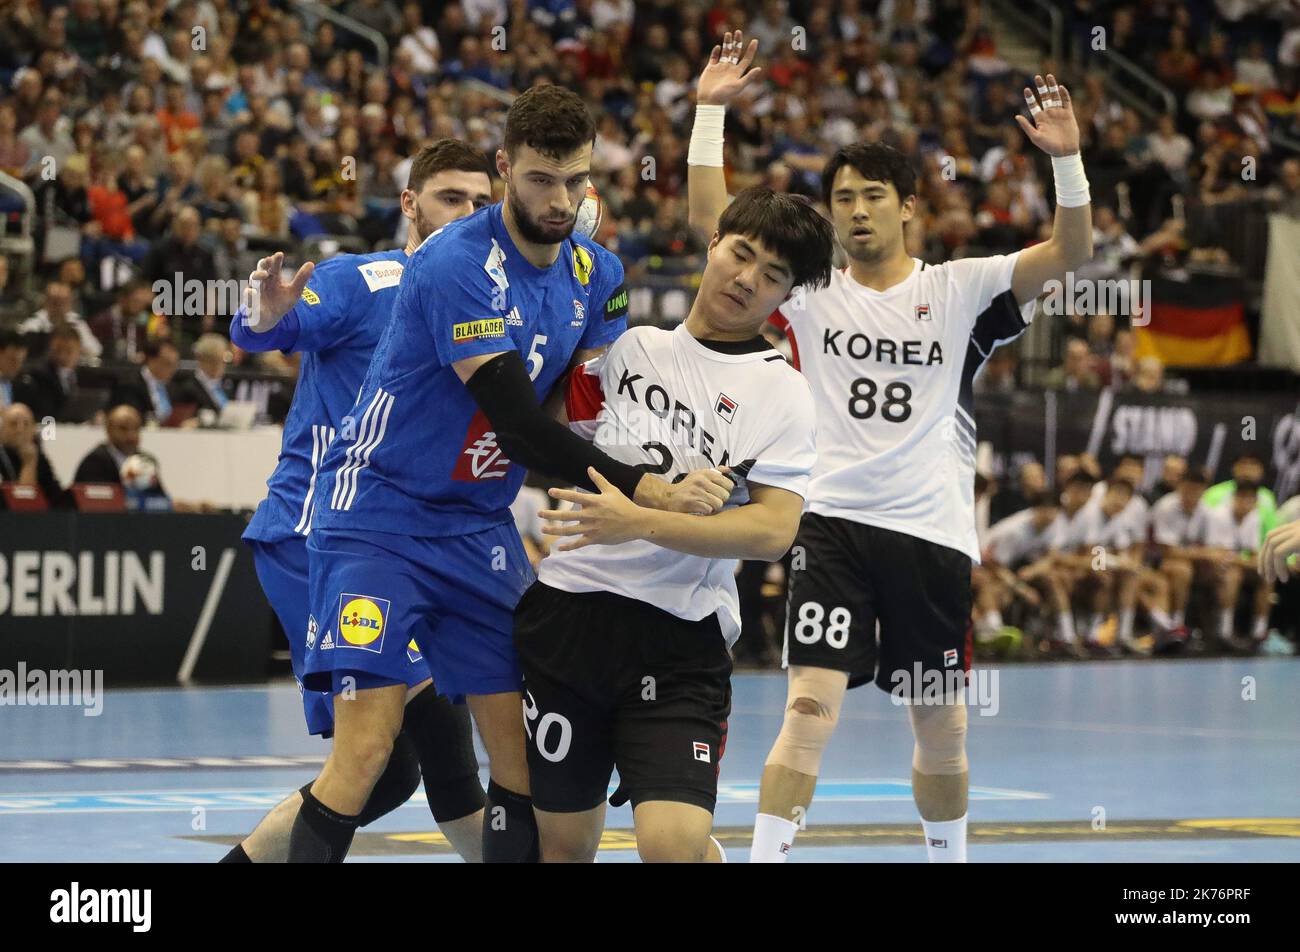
x: 281, y: 337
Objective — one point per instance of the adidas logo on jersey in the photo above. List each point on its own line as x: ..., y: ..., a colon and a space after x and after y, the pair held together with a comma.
x: 328, y: 642
x: 514, y: 318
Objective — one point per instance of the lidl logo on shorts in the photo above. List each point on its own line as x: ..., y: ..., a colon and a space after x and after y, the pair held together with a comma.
x: 473, y: 330
x: 361, y: 622
x: 413, y: 651
x: 950, y: 657
x: 702, y: 752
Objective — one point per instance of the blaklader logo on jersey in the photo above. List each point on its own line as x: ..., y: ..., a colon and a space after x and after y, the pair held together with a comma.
x: 480, y: 457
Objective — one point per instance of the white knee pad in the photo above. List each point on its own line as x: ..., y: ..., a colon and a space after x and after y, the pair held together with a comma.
x: 811, y: 713
x: 940, y: 732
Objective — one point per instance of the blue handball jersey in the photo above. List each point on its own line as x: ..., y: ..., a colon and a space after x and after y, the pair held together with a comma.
x: 341, y: 315
x: 418, y: 457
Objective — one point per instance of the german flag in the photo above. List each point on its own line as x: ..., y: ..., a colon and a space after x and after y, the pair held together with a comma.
x: 1196, y: 323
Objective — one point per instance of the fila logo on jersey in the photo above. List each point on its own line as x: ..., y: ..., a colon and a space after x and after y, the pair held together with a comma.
x: 923, y: 312
x: 726, y: 407
x: 381, y: 274
x: 950, y: 657
x: 311, y: 630
x: 473, y: 330
x: 480, y: 457
x: 702, y: 752
x: 658, y: 402
x: 860, y: 346
x: 579, y: 314
x: 361, y: 622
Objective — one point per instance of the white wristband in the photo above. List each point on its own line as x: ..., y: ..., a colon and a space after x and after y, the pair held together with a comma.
x: 706, y: 136
x: 1071, y: 181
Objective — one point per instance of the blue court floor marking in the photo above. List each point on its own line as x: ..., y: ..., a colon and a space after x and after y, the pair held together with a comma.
x: 183, y: 801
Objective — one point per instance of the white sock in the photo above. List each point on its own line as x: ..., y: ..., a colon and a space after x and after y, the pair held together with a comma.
x: 1225, y: 623
x: 1179, y: 618
x: 773, y: 837
x: 1094, y: 625
x: 945, y: 842
x: 1161, y: 618
x: 1126, y: 624
x: 721, y: 851
x: 1065, y: 627
x: 1261, y: 627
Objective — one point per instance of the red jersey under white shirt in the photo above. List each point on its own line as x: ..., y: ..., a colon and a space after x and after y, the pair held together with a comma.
x: 672, y: 404
x: 891, y: 374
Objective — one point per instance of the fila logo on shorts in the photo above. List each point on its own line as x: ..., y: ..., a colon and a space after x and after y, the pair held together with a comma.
x: 726, y: 407
x: 950, y: 657
x: 937, y: 844
x: 702, y: 752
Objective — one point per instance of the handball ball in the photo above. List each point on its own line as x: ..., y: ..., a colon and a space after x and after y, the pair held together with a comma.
x: 138, y: 472
x: 590, y: 212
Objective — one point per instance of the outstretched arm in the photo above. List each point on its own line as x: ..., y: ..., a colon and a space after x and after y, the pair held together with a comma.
x: 725, y: 76
x: 1055, y: 131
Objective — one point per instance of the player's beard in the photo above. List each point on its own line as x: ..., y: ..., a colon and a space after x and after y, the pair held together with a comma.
x: 423, y: 227
x: 533, y: 230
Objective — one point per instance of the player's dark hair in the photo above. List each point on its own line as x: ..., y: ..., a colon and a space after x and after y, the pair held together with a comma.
x: 789, y: 227
x: 1042, y: 498
x: 64, y: 331
x: 1080, y: 478
x: 154, y: 346
x: 442, y: 155
x: 1124, y: 484
x: 551, y: 119
x: 1197, y: 475
x: 875, y: 163
x: 1247, y: 458
x: 11, y: 338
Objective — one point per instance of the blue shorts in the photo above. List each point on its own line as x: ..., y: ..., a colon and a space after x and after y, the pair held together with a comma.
x: 282, y: 570
x: 378, y: 597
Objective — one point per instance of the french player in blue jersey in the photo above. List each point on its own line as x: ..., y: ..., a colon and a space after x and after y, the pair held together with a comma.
x: 334, y: 315
x: 412, y: 537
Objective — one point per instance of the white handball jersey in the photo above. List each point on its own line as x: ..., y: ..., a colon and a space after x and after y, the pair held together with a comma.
x: 1171, y: 524
x: 1135, y: 512
x: 891, y: 373
x: 1218, y: 529
x: 1090, y: 527
x: 672, y: 404
x: 1014, y: 540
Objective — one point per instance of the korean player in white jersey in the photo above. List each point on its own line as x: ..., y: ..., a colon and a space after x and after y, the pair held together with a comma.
x: 623, y: 638
x: 888, y: 539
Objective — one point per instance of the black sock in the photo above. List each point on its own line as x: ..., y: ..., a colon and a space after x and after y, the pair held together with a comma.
x: 237, y: 855
x: 444, y: 742
x: 319, y: 834
x: 509, y: 827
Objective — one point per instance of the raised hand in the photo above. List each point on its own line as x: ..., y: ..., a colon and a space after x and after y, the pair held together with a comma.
x: 268, y: 296
x: 728, y: 72
x: 1054, y: 128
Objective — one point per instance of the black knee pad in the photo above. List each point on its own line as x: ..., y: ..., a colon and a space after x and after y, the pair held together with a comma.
x: 396, y: 784
x: 443, y: 739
